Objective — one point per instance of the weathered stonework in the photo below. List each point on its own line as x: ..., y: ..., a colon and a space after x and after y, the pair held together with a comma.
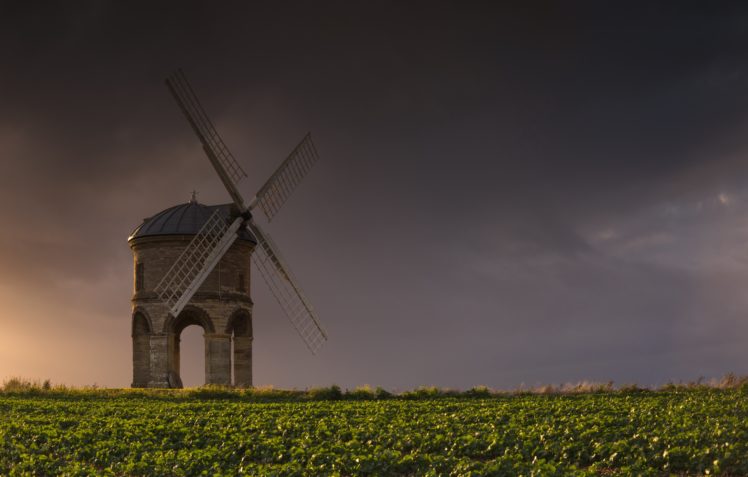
x: 222, y: 307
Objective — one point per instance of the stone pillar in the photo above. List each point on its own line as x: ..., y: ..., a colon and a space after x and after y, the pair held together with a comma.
x: 243, y: 361
x: 141, y: 360
x: 159, y: 361
x: 218, y: 359
x: 175, y: 365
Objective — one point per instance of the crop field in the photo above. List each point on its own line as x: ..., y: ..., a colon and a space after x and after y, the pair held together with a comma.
x: 676, y: 432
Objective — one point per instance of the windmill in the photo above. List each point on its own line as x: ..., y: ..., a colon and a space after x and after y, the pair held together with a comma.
x: 216, y: 235
x: 210, y: 244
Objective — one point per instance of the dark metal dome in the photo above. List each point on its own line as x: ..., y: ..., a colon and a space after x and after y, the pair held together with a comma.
x: 184, y: 219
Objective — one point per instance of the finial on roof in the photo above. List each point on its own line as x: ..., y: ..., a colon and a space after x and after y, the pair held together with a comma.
x: 193, y: 200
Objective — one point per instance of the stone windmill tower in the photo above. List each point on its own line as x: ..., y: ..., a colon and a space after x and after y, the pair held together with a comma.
x: 192, y: 267
x: 221, y: 306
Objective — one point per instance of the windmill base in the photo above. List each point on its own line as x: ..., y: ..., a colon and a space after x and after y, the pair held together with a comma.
x: 228, y: 346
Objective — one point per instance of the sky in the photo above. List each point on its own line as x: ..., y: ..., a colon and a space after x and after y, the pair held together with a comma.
x: 508, y: 195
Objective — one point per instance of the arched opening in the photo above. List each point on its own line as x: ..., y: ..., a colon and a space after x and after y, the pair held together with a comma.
x: 188, y: 331
x: 240, y: 329
x: 141, y: 350
x: 191, y: 362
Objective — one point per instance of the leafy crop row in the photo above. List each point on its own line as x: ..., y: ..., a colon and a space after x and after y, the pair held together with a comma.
x: 692, y: 432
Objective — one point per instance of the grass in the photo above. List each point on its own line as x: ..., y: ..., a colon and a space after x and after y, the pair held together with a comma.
x: 22, y: 386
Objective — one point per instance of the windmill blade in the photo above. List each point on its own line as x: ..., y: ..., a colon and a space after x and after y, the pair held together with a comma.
x: 223, y: 161
x: 284, y: 180
x: 196, y: 262
x: 290, y: 297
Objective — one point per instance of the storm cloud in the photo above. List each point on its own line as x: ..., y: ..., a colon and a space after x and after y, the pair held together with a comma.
x: 508, y: 195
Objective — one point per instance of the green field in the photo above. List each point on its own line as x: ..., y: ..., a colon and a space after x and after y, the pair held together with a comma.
x: 682, y: 431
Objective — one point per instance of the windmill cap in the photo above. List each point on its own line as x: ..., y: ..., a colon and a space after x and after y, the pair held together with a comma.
x: 184, y: 219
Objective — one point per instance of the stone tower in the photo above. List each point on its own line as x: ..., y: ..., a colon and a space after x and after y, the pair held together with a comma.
x: 222, y: 305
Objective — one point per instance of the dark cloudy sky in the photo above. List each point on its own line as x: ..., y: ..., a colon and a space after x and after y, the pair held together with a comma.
x: 532, y: 193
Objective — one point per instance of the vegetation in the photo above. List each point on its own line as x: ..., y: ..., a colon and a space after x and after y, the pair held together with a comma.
x: 691, y: 429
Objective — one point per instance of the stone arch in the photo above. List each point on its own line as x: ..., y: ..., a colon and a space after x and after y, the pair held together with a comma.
x: 239, y: 327
x: 141, y: 348
x: 240, y: 323
x: 143, y: 322
x: 190, y: 315
x: 173, y: 327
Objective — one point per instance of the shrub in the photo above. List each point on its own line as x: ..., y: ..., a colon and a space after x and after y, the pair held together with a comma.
x: 478, y: 392
x: 362, y: 392
x: 632, y: 388
x: 333, y: 393
x: 20, y: 385
x: 382, y: 393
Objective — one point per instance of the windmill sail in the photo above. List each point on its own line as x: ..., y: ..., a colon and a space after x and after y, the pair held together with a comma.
x: 214, y: 239
x: 223, y: 161
x: 196, y: 262
x: 290, y: 297
x: 281, y: 184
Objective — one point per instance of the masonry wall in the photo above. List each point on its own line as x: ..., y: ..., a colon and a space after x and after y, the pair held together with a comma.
x: 220, y: 305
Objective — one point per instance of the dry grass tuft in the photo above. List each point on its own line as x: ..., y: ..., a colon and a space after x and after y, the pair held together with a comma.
x: 268, y: 393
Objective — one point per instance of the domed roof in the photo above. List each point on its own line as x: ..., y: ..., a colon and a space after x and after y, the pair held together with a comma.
x: 184, y: 219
